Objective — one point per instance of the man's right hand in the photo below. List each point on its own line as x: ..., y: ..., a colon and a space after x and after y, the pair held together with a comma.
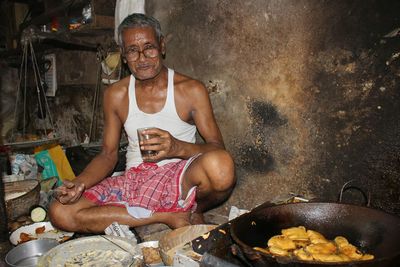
x: 69, y: 192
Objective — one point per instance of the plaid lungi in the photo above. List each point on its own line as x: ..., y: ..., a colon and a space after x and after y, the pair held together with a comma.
x: 149, y: 186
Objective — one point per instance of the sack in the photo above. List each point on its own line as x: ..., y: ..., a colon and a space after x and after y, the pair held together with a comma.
x: 62, y: 164
x: 55, y: 164
x: 43, y: 159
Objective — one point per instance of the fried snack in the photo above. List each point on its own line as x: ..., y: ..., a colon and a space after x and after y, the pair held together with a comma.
x: 295, y: 233
x: 301, y: 254
x: 309, y: 245
x: 341, y: 241
x: 351, y: 251
x: 151, y: 255
x: 263, y: 250
x: 301, y: 243
x: 281, y: 242
x: 344, y: 257
x: 315, y: 237
x: 24, y: 237
x: 367, y: 257
x: 327, y: 257
x: 40, y: 230
x: 278, y: 251
x: 321, y: 248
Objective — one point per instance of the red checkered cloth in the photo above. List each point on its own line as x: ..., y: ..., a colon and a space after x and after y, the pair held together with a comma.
x: 149, y: 186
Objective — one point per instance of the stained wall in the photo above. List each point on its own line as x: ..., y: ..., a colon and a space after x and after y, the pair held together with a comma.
x: 305, y: 92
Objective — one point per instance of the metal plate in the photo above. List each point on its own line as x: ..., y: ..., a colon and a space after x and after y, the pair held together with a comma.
x: 33, y: 143
x: 65, y: 252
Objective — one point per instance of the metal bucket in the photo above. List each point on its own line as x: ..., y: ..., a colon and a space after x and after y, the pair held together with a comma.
x: 28, y: 254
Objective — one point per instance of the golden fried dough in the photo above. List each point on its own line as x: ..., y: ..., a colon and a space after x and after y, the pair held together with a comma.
x: 344, y: 257
x: 295, y: 233
x: 282, y: 242
x: 263, y: 250
x: 367, y: 257
x: 351, y: 251
x: 341, y: 241
x: 321, y: 248
x: 315, y: 237
x: 302, y: 255
x: 309, y: 245
x: 278, y: 251
x: 327, y: 257
x: 301, y: 243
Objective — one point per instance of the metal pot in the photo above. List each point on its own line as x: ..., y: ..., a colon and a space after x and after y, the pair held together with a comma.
x: 28, y: 254
x: 373, y: 231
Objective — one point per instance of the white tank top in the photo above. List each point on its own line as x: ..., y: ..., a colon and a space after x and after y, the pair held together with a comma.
x: 167, y: 119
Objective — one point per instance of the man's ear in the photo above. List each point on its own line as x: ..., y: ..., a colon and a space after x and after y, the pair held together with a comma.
x: 122, y: 55
x: 163, y: 48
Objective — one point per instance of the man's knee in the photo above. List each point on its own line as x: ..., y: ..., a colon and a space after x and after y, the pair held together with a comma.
x: 55, y: 214
x: 220, y: 170
x: 61, y: 217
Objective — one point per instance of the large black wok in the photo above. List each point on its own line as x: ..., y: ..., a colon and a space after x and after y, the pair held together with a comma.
x: 373, y: 231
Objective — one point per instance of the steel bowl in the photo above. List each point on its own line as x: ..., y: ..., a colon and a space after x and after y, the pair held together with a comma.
x: 28, y: 254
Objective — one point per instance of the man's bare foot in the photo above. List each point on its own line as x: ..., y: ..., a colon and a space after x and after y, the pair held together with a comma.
x: 176, y: 219
x: 197, y: 218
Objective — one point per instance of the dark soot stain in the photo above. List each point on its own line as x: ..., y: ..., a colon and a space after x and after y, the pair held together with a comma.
x: 265, y: 114
x: 255, y: 159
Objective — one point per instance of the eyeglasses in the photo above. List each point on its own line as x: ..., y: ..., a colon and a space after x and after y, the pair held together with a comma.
x: 132, y: 54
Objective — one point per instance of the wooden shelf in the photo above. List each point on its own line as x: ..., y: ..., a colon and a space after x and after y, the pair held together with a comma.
x: 101, y: 23
x: 57, y: 11
x: 102, y: 15
x: 65, y: 37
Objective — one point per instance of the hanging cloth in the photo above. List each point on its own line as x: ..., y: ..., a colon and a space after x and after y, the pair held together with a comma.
x: 123, y: 8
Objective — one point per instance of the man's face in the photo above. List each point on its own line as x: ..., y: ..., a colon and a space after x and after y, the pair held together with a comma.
x: 142, y: 42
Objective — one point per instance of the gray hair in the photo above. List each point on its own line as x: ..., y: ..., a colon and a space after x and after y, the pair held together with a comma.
x: 137, y: 20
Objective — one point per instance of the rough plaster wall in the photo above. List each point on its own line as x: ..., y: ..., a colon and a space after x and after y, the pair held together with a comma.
x: 297, y: 91
x: 8, y: 91
x: 73, y: 104
x: 72, y: 109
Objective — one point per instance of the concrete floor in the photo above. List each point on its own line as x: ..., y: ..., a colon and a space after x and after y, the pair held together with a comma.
x: 155, y: 231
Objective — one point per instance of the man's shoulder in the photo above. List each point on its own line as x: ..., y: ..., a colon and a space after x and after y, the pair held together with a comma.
x: 183, y: 81
x: 119, y: 86
x: 117, y: 91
